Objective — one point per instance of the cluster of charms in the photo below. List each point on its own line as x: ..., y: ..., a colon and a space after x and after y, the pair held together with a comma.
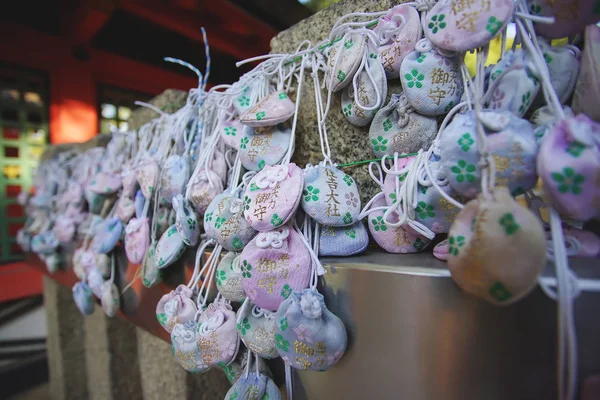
x: 217, y: 173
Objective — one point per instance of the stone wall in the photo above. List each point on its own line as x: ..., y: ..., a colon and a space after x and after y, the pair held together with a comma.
x: 348, y: 143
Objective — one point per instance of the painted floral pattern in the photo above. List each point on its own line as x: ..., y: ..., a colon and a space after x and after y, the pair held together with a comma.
x: 455, y: 243
x: 414, y: 79
x: 568, y: 181
x: 379, y: 224
x: 463, y: 171
x: 437, y: 23
x: 509, y: 224
x: 246, y: 269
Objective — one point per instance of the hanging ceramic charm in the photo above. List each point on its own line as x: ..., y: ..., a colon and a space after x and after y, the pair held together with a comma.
x: 272, y: 110
x: 272, y: 196
x: 216, y: 336
x: 273, y: 264
x: 308, y: 335
x: 253, y: 386
x: 360, y: 103
x: 466, y: 25
x: 256, y: 328
x: 497, y: 248
x: 569, y: 165
x: 176, y: 307
x: 343, y: 241
x: 186, y: 221
x: 509, y: 139
x: 169, y: 248
x: 344, y: 59
x: 84, y: 300
x: 394, y: 239
x: 513, y: 83
x: 224, y: 221
x: 174, y: 175
x: 587, y: 88
x: 330, y: 196
x: 265, y: 148
x: 398, y: 31
x: 431, y: 81
x: 229, y: 278
x: 398, y: 128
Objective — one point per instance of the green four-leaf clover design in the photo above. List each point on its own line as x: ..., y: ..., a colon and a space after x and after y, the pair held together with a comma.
x: 424, y: 210
x: 286, y: 291
x: 499, y: 292
x: 348, y: 110
x: 387, y: 125
x: 246, y: 269
x: 247, y: 202
x: 493, y: 25
x: 575, y: 148
x: 283, y: 324
x: 347, y: 218
x: 237, y: 243
x: 220, y: 277
x: 281, y: 343
x: 244, y: 142
x: 465, y: 142
x: 243, y: 326
x: 419, y: 244
x: 310, y: 193
x: 379, y: 224
x: 455, y: 243
x: 283, y: 96
x: 230, y: 131
x: 525, y: 101
x: 463, y: 171
x: 414, y: 78
x: 260, y: 115
x: 244, y: 101
x: 568, y: 181
x: 379, y: 143
x: 162, y: 318
x: 507, y: 221
x: 276, y: 220
x: 437, y: 23
x: 351, y: 233
x: 348, y: 179
x: 219, y: 222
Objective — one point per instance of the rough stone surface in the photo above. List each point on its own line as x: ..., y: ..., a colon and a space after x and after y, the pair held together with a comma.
x: 97, y: 356
x: 168, y: 101
x: 163, y: 378
x: 124, y: 363
x: 348, y: 143
x: 66, y: 352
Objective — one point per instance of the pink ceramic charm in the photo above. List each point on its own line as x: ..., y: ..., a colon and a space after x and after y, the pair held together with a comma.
x: 466, y: 25
x: 399, y: 30
x: 272, y: 110
x: 569, y: 165
x: 217, y: 335
x: 272, y: 196
x: 440, y: 251
x: 400, y: 239
x: 176, y: 307
x: 273, y: 265
x: 137, y: 239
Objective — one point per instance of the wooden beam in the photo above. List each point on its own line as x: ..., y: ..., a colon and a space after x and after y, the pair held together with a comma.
x: 241, y: 36
x: 82, y: 20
